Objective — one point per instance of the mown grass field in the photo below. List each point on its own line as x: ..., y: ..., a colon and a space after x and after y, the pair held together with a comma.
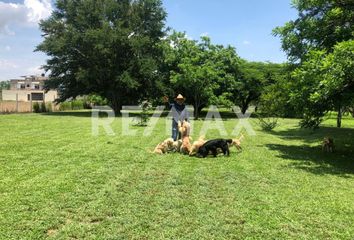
x: 58, y: 181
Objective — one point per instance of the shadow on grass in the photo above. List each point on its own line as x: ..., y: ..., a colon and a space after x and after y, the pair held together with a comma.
x: 313, y: 160
x: 85, y: 114
x: 341, y: 136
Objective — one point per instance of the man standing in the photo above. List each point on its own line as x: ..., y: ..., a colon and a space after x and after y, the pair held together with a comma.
x: 179, y: 113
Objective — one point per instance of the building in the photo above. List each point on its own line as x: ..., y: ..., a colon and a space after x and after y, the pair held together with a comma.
x: 29, y: 88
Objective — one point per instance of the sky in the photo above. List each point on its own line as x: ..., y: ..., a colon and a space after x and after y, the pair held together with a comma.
x: 244, y: 24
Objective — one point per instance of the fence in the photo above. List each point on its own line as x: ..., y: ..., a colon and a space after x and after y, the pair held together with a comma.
x: 10, y: 107
x: 22, y: 107
x: 17, y: 103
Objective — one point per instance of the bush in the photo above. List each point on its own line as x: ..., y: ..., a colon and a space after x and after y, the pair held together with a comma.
x: 72, y: 105
x: 87, y: 104
x: 49, y: 107
x: 36, y: 107
x: 43, y: 107
x: 77, y: 105
x: 65, y: 106
x: 95, y: 100
x: 268, y: 124
x: 144, y: 115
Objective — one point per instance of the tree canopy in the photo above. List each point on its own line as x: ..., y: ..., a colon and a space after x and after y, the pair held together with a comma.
x: 196, y: 68
x: 4, y: 85
x: 249, y: 80
x: 109, y: 47
x: 320, y: 44
x: 319, y: 26
x: 325, y: 82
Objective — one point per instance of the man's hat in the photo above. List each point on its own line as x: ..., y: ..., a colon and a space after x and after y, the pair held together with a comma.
x: 180, y: 97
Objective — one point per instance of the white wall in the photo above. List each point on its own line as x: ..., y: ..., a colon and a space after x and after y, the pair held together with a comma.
x: 10, y: 95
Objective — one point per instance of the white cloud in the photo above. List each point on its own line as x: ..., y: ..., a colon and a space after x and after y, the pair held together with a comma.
x: 245, y: 42
x: 5, y: 64
x: 204, y: 34
x: 28, y: 13
x: 8, y: 48
x: 35, y: 70
x: 12, y: 68
x: 37, y: 10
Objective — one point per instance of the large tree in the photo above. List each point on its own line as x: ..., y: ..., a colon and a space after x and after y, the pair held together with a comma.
x: 194, y: 68
x: 108, y: 47
x: 275, y: 98
x: 319, y: 26
x: 246, y: 81
x: 325, y: 82
x: 310, y: 42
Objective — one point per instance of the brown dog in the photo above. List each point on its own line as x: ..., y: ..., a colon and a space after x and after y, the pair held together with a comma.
x: 196, y: 145
x: 177, y: 146
x: 328, y: 144
x: 237, y: 142
x: 164, y: 147
x: 185, y: 128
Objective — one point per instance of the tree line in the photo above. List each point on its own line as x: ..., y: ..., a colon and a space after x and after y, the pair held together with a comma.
x: 122, y: 51
x: 320, y: 48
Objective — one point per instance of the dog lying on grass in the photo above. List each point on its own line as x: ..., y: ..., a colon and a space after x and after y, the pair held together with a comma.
x: 185, y: 128
x: 164, y: 147
x: 213, y: 146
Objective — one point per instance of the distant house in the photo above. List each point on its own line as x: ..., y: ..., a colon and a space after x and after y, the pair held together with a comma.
x: 29, y: 88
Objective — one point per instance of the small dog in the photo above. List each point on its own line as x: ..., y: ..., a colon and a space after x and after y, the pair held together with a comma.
x: 328, y: 144
x: 237, y: 142
x: 185, y: 128
x: 164, y: 147
x: 213, y: 146
x: 196, y: 145
x: 176, y: 146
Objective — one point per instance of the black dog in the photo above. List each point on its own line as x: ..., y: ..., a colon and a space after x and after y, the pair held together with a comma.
x: 213, y: 145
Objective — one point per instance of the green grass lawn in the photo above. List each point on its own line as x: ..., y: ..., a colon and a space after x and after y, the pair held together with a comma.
x: 58, y: 181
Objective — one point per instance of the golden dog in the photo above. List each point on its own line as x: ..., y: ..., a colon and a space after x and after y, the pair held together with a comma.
x: 196, y: 145
x: 185, y: 128
x: 164, y: 147
x: 237, y: 142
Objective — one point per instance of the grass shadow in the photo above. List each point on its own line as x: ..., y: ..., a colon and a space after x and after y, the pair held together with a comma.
x: 85, y: 114
x: 341, y: 136
x: 313, y: 160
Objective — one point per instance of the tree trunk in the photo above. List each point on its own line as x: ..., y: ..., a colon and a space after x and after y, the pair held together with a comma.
x: 115, y: 103
x: 200, y: 108
x: 244, y: 109
x: 196, y: 112
x: 339, y: 116
x: 196, y: 106
x: 117, y: 107
x: 243, y: 105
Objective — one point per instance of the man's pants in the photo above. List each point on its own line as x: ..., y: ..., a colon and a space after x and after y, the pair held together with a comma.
x: 175, y: 132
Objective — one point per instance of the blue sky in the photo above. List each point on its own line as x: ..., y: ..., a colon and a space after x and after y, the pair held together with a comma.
x: 244, y: 24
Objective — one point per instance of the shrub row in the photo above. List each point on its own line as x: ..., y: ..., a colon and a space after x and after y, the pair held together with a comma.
x: 42, y: 107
